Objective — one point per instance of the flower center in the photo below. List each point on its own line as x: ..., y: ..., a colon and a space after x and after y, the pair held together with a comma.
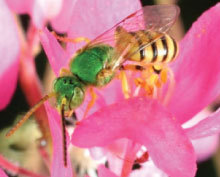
x: 152, y: 79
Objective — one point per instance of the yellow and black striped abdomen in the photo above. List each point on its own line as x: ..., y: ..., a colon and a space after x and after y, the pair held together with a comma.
x: 152, y: 47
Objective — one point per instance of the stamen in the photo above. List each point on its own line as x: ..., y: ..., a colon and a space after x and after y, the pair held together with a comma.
x: 163, y: 75
x: 170, y: 87
x: 125, y: 85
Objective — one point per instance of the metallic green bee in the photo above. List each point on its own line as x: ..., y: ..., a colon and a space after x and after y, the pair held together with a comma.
x: 140, y: 37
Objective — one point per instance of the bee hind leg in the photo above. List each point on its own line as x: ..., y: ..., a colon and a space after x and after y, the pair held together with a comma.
x: 122, y: 76
x: 148, y: 80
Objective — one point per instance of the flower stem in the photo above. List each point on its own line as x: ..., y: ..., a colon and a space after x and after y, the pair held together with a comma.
x: 130, y: 154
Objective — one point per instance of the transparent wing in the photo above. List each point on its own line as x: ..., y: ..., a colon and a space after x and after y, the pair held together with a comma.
x: 158, y: 18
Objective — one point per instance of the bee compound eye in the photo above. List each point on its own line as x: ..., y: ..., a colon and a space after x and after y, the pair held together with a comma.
x: 77, y: 98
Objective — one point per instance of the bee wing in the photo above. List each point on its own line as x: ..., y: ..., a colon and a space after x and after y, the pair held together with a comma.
x: 157, y: 18
x: 160, y: 18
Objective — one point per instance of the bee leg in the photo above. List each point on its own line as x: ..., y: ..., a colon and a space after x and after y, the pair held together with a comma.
x: 140, y: 83
x: 132, y: 67
x: 124, y: 84
x: 66, y: 39
x: 149, y: 80
x: 65, y: 72
x: 91, y: 102
x: 123, y: 78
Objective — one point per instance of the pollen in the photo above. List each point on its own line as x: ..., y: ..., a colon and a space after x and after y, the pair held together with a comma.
x: 152, y: 80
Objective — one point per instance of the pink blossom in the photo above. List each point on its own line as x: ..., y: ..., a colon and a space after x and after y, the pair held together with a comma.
x: 41, y: 12
x: 156, y: 126
x: 9, y: 55
x: 141, y: 120
x: 104, y: 172
x: 2, y: 173
x: 148, y: 122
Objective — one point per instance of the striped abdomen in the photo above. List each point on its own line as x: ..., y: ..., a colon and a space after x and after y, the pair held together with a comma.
x: 152, y: 47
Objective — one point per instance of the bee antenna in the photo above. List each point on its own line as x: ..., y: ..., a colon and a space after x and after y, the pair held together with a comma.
x: 64, y: 135
x: 29, y: 113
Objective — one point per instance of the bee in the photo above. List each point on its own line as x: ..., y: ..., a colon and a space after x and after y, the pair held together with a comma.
x: 140, y: 38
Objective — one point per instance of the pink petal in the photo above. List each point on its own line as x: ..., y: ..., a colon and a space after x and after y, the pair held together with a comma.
x: 98, y: 16
x: 62, y: 21
x: 9, y: 49
x: 91, y: 18
x: 40, y: 11
x: 145, y: 122
x: 45, y: 10
x: 55, y: 53
x: 206, y: 147
x: 57, y: 167
x: 207, y: 127
x: 197, y: 69
x: 148, y: 169
x: 2, y: 173
x: 20, y: 6
x: 104, y: 172
x: 120, y: 152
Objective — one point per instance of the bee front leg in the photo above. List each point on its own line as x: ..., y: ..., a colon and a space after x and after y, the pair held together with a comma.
x: 91, y: 102
x: 66, y: 39
x: 65, y: 72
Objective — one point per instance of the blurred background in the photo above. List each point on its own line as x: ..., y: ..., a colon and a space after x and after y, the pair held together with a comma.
x: 190, y: 11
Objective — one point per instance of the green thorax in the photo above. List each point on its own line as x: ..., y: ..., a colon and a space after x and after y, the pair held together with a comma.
x: 88, y: 63
x: 71, y: 89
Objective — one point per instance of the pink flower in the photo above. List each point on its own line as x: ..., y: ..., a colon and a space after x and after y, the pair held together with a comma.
x: 2, y: 173
x: 40, y: 14
x: 43, y: 11
x: 140, y: 120
x: 156, y: 126
x: 19, y: 49
x: 24, y: 44
x: 9, y: 55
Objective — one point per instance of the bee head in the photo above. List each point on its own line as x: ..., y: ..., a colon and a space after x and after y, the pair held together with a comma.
x: 71, y: 89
